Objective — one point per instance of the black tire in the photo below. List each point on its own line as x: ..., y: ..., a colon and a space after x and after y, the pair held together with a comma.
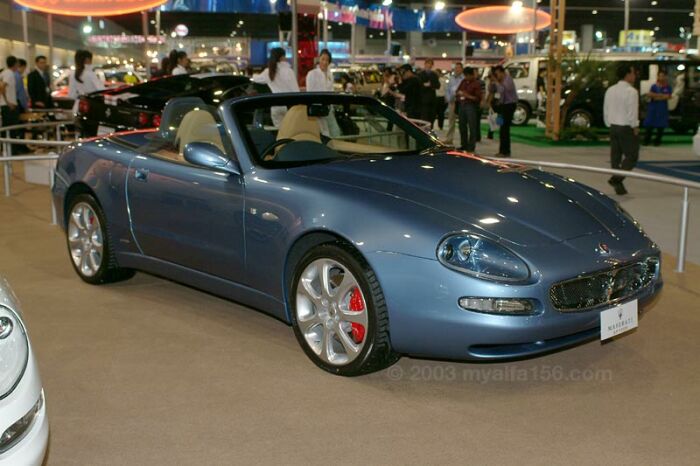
x: 109, y: 270
x: 376, y: 353
x: 579, y: 119
x: 522, y: 108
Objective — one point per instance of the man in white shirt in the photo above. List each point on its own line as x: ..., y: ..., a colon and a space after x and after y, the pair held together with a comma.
x: 621, y: 113
x: 9, y: 110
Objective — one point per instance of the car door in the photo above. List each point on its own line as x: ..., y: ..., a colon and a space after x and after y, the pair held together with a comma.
x: 188, y: 215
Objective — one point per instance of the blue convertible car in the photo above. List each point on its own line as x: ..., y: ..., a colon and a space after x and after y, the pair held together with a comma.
x: 340, y: 217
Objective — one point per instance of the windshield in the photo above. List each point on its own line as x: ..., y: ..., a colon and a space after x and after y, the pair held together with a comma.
x: 302, y: 129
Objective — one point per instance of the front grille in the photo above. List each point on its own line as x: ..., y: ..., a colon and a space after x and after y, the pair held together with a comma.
x: 604, y: 288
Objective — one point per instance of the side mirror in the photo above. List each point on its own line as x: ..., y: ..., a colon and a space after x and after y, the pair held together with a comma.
x: 207, y: 155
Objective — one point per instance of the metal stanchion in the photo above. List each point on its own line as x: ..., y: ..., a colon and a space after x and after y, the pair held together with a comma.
x: 52, y: 177
x: 683, y: 236
x: 6, y: 170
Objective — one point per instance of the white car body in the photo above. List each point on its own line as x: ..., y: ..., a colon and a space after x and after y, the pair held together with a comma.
x: 24, y: 400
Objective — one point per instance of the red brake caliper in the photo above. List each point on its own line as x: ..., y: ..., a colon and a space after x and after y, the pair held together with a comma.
x: 357, y: 304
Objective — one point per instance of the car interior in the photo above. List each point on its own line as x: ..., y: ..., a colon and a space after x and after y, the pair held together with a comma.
x: 305, y: 133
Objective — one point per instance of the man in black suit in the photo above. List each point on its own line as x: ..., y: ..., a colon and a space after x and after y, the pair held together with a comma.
x: 410, y: 87
x: 39, y: 84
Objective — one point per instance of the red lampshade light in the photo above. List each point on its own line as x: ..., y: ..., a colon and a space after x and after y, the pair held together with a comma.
x: 502, y: 19
x: 90, y: 8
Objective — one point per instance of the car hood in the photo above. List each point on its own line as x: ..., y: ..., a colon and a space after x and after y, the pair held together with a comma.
x: 522, y: 206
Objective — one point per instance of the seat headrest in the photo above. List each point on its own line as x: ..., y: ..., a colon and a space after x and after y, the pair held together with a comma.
x: 198, y: 126
x: 296, y: 124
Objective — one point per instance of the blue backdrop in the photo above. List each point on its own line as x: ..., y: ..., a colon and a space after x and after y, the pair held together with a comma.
x: 403, y: 19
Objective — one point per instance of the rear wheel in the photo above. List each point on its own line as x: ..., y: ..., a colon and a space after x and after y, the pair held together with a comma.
x: 89, y: 243
x: 522, y: 114
x: 338, y: 312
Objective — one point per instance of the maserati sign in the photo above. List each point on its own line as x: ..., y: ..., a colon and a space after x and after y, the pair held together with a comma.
x: 90, y: 7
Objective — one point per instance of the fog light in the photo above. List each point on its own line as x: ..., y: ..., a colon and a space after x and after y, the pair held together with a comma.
x: 16, y: 431
x: 504, y: 306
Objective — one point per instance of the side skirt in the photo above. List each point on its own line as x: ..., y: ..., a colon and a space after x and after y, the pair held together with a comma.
x: 214, y: 285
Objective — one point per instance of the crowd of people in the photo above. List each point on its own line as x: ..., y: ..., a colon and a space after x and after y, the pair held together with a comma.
x: 419, y: 94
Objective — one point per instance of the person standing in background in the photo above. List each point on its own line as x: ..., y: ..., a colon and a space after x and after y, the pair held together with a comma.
x: 164, y: 69
x: 430, y: 83
x: 22, y: 96
x: 387, y: 93
x: 9, y: 108
x: 441, y: 103
x: 346, y: 84
x: 491, y: 101
x: 82, y: 82
x: 479, y: 110
x: 178, y: 62
x: 506, y: 107
x: 541, y: 88
x: 411, y: 89
x: 39, y: 84
x: 621, y: 114
x: 320, y: 78
x: 469, y: 95
x: 451, y: 98
x: 279, y: 77
x: 657, y: 109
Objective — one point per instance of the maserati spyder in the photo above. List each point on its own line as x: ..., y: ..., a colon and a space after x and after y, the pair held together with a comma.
x: 369, y: 237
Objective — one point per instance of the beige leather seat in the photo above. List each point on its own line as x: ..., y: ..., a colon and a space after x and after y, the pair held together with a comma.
x: 198, y: 126
x: 297, y: 125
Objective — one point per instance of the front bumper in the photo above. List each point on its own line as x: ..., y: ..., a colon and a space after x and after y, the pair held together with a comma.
x: 426, y: 321
x: 30, y: 450
x: 31, y: 446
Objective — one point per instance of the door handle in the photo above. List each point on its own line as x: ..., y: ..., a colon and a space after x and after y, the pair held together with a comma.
x: 141, y: 174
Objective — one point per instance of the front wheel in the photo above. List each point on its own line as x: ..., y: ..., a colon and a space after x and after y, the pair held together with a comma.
x: 580, y: 119
x: 339, y: 314
x: 89, y: 243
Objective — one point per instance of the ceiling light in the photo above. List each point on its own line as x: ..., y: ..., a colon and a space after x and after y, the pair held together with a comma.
x: 517, y: 5
x: 439, y: 6
x: 594, y: 12
x: 386, y: 2
x: 650, y: 19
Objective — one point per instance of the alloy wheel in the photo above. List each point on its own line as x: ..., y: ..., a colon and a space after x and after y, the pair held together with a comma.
x: 331, y: 311
x: 85, y: 239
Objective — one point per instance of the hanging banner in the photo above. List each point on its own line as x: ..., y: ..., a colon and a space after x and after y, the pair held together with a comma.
x: 368, y: 14
x: 90, y: 7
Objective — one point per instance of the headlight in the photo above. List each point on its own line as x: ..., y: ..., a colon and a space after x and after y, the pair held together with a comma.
x: 482, y: 258
x: 14, y: 350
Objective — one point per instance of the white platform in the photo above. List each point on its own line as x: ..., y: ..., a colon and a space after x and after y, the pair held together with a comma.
x: 38, y: 171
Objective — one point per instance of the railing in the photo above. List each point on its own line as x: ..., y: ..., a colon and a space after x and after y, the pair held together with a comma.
x: 685, y: 198
x: 8, y: 158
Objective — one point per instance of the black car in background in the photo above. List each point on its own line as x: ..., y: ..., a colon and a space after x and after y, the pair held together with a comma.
x: 586, y: 106
x: 140, y: 106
